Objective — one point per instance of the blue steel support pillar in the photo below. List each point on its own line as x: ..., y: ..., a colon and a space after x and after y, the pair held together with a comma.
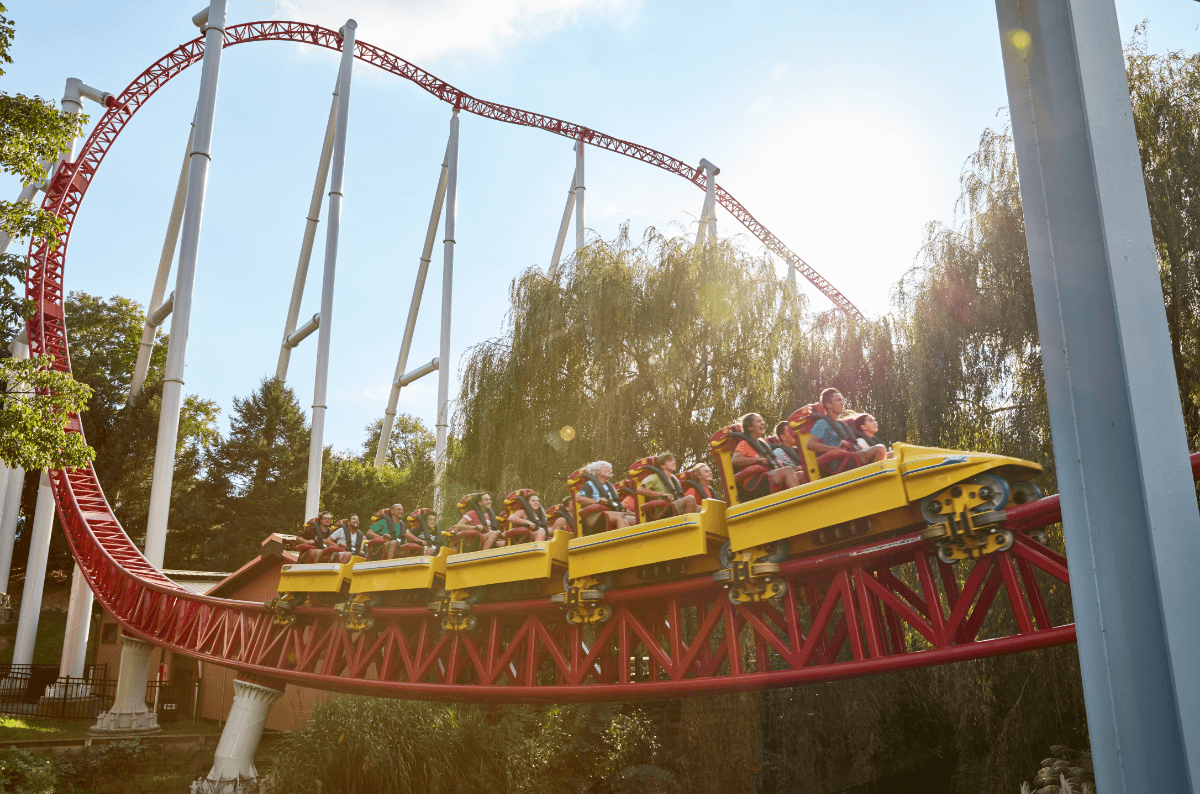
x: 1128, y: 503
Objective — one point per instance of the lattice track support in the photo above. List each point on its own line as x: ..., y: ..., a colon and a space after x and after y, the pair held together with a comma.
x: 845, y: 614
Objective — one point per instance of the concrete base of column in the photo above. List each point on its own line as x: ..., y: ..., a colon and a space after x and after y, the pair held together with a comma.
x: 233, y: 770
x: 129, y: 715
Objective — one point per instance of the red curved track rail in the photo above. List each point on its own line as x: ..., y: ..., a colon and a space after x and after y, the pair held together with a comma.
x: 847, y: 613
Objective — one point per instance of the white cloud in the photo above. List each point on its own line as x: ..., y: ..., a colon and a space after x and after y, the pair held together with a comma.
x: 424, y: 30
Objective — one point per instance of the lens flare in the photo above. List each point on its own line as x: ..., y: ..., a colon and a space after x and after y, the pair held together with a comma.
x: 1021, y: 39
x: 567, y: 433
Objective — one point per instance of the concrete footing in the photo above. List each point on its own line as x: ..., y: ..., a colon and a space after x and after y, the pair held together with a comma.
x: 233, y: 770
x: 129, y: 715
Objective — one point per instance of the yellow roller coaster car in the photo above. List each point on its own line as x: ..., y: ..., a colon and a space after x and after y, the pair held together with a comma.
x: 957, y: 499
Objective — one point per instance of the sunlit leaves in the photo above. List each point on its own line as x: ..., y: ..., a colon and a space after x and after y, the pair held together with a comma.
x: 34, y: 414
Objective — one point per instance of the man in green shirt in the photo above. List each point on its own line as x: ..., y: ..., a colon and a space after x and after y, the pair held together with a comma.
x: 653, y: 486
x: 392, y: 530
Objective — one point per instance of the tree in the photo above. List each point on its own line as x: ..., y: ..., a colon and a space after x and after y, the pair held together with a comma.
x: 104, y: 336
x: 1166, y: 112
x: 253, y: 484
x: 628, y: 351
x: 409, y: 453
x: 32, y: 132
x: 34, y: 414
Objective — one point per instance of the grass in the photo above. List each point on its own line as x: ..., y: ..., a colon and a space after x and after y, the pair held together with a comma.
x: 19, y: 729
x: 47, y: 648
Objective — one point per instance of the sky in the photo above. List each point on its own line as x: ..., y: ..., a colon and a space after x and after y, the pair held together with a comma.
x: 842, y: 127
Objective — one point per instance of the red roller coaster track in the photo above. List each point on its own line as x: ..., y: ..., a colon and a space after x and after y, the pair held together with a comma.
x: 847, y: 613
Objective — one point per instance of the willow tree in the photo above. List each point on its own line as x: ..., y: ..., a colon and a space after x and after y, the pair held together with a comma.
x: 628, y: 350
x: 1165, y: 90
x: 967, y: 332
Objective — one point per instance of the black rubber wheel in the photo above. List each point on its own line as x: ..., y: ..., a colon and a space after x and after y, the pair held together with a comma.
x: 1024, y: 492
x: 606, y: 582
x: 476, y: 594
x: 566, y: 580
x: 725, y: 555
x: 777, y: 551
x: 296, y: 599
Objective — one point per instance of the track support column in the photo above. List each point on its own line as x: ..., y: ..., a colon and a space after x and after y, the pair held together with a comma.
x: 213, y: 21
x: 129, y: 715
x: 233, y: 767
x: 1128, y: 502
x: 316, y: 444
x: 310, y: 235
x: 35, y: 574
x: 579, y: 191
x: 389, y: 415
x: 708, y: 213
x: 75, y: 637
x: 561, y: 240
x: 150, y: 328
x: 19, y: 348
x: 443, y: 404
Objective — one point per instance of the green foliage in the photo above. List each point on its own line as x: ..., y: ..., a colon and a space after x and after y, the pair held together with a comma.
x: 37, y: 405
x: 969, y: 362
x: 350, y: 486
x: 630, y: 350
x: 32, y: 131
x: 356, y: 744
x: 1165, y: 90
x: 410, y: 452
x: 21, y: 772
x: 252, y: 483
x: 104, y: 337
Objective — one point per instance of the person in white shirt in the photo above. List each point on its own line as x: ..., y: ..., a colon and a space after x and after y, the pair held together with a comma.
x: 350, y: 538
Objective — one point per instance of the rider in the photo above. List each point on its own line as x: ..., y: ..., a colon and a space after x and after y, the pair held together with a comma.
x: 615, y: 516
x: 758, y: 453
x: 389, y: 527
x: 537, y: 523
x: 699, y: 484
x: 317, y: 531
x: 654, y: 487
x: 834, y: 442
x: 785, y: 444
x: 564, y: 516
x: 350, y: 539
x: 483, y: 520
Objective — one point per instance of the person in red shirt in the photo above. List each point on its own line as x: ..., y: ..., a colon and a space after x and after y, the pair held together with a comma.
x: 484, y: 521
x: 746, y: 455
x: 698, y: 485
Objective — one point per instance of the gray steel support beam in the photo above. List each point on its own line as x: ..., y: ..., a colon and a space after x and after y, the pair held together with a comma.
x: 1128, y: 503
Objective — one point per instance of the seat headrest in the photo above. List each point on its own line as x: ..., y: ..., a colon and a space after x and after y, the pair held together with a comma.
x: 723, y: 440
x: 468, y: 502
x: 515, y: 500
x: 802, y: 419
x: 417, y: 516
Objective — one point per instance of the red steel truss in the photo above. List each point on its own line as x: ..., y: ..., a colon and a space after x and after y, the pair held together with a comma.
x: 891, y: 606
x: 888, y: 606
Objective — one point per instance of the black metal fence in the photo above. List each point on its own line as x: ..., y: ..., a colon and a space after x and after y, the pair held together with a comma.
x: 35, y: 690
